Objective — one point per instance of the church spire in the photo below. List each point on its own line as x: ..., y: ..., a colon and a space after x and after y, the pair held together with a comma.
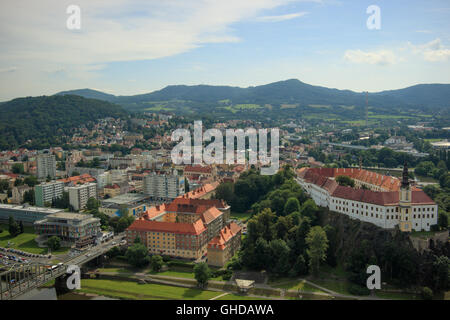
x: 405, y: 180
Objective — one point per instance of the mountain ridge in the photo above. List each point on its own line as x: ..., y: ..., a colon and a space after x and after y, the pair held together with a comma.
x: 278, y: 93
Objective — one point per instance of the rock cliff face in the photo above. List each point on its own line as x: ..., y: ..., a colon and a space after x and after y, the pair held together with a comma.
x: 350, y: 233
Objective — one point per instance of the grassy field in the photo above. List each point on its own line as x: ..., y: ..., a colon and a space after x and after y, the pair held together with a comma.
x: 232, y: 296
x: 319, y: 106
x: 24, y: 241
x: 240, y: 216
x: 180, y: 272
x: 296, y: 285
x: 397, y: 296
x: 427, y: 179
x: 135, y: 291
x: 241, y: 107
x: 334, y: 285
x: 337, y: 271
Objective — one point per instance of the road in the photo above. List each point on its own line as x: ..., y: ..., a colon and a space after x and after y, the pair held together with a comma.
x: 40, y: 275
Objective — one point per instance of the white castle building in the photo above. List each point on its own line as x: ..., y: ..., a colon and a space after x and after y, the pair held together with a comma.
x: 382, y: 200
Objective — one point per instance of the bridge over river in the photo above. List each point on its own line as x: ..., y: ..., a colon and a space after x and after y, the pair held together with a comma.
x: 19, y: 278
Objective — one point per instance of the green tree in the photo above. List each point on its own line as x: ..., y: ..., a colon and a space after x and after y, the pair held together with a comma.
x: 427, y: 293
x: 28, y: 197
x: 300, y: 266
x: 441, y: 273
x: 92, y: 204
x: 18, y: 168
x: 137, y: 255
x: 54, y: 243
x: 202, y: 274
x: 317, y: 247
x: 345, y: 181
x: 13, y: 227
x: 31, y: 181
x: 157, y: 263
x: 310, y: 209
x: 292, y: 205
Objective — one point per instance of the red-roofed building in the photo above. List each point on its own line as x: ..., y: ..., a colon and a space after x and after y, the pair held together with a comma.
x: 184, y: 227
x: 184, y: 240
x: 382, y: 200
x: 82, y: 179
x: 223, y: 246
x: 205, y: 192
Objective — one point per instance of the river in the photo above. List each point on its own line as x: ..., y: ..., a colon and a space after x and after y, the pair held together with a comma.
x: 50, y: 294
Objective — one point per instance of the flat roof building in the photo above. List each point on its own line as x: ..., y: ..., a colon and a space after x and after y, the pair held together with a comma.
x: 68, y: 226
x: 25, y: 213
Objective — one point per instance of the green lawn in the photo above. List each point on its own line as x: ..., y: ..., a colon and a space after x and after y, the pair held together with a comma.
x: 115, y: 270
x: 240, y: 216
x: 296, y: 285
x: 180, y: 272
x: 397, y: 296
x: 135, y: 291
x: 334, y: 285
x: 426, y: 179
x: 24, y: 241
x: 232, y: 296
x: 337, y: 271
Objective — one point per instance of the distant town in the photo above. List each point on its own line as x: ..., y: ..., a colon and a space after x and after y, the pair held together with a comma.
x: 114, y: 183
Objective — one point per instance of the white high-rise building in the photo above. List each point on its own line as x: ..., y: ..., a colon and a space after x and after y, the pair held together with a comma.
x: 79, y: 195
x: 163, y: 186
x: 46, y: 166
x: 47, y: 192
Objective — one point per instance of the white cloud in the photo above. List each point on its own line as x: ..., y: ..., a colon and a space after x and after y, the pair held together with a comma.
x: 119, y: 30
x: 34, y: 37
x: 432, y: 51
x: 281, y: 17
x: 381, y: 57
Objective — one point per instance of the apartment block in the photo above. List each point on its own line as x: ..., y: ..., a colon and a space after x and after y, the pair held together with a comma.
x: 163, y: 186
x: 79, y: 195
x: 47, y: 192
x: 46, y: 166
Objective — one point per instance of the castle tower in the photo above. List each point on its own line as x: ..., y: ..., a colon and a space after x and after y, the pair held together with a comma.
x: 405, y: 222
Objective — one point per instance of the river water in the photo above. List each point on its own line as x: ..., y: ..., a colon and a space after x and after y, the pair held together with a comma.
x: 50, y: 294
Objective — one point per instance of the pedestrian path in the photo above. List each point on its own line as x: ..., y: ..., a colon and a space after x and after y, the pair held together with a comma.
x: 219, y: 296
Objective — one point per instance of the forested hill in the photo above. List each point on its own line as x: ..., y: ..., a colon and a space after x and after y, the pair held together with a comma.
x: 184, y: 98
x: 46, y: 120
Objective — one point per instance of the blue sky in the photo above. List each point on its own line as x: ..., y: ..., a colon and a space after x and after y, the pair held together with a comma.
x: 138, y: 46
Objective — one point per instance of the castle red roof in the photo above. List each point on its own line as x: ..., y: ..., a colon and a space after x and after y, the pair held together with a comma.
x: 225, y: 235
x: 142, y: 225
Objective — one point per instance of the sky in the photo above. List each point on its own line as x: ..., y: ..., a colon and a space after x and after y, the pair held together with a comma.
x: 128, y: 47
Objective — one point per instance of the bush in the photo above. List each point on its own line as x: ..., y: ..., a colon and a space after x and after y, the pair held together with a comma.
x: 227, y: 276
x: 358, y: 290
x: 166, y: 258
x: 157, y: 263
x: 176, y: 263
x: 54, y: 243
x: 434, y: 227
x: 427, y: 293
